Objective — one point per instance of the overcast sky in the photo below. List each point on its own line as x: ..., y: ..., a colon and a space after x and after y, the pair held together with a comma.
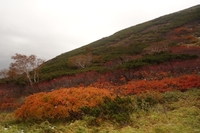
x: 47, y: 28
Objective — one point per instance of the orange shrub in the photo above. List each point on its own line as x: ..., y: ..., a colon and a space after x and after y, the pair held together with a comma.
x: 59, y: 103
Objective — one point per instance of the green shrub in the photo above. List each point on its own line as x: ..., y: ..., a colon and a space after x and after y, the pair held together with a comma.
x: 117, y: 110
x: 170, y: 97
x: 147, y: 100
x: 157, y: 58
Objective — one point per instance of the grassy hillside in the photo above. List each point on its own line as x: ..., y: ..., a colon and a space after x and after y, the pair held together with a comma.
x: 160, y: 34
x: 171, y: 112
x: 143, y: 79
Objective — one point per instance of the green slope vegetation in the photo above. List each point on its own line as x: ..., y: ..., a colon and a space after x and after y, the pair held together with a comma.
x: 131, y: 42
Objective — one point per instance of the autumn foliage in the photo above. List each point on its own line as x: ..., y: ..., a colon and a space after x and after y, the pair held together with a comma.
x: 60, y: 104
x: 168, y: 84
x: 181, y: 83
x: 9, y: 104
x: 67, y: 102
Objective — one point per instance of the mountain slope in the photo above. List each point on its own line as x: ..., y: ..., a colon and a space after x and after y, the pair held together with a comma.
x: 159, y: 55
x: 160, y: 34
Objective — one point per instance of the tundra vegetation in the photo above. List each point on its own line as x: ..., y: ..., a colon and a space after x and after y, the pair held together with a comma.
x: 150, y: 112
x: 142, y: 79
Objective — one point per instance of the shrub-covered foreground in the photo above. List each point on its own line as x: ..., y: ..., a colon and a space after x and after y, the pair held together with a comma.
x: 61, y: 104
x: 149, y: 112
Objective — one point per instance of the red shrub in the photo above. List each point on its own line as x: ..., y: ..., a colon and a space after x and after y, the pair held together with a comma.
x: 180, y: 83
x: 9, y: 104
